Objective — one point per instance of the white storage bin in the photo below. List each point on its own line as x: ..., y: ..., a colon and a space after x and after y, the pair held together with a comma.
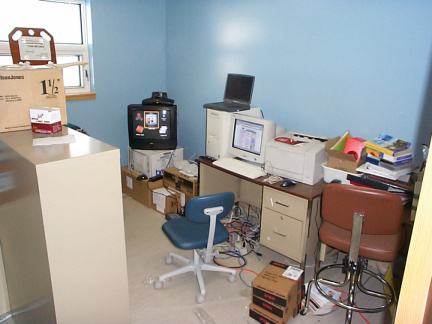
x: 331, y: 174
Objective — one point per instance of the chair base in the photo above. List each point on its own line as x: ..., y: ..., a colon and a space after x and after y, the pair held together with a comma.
x: 353, y: 278
x: 196, y: 265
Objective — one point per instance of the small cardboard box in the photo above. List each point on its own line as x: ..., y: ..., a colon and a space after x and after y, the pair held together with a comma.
x: 22, y: 89
x: 272, y: 286
x: 183, y: 183
x: 45, y: 115
x: 140, y: 190
x: 277, y: 310
x: 186, y: 186
x: 165, y: 201
x: 153, y: 162
x: 340, y: 160
x: 45, y: 120
x: 266, y: 317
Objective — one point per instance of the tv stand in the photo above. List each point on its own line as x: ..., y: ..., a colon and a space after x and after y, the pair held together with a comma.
x: 290, y: 215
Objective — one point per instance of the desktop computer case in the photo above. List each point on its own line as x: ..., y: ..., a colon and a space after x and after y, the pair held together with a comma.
x: 219, y: 128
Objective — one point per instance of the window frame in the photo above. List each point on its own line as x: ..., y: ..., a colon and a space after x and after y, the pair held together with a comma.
x: 81, y: 50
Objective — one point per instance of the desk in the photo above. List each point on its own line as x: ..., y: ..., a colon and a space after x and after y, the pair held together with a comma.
x: 290, y: 216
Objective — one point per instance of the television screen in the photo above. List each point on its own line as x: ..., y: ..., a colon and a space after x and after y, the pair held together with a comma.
x: 152, y: 127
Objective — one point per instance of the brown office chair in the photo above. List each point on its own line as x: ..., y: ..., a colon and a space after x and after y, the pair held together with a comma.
x: 367, y: 224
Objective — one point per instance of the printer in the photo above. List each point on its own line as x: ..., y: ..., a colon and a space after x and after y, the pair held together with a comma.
x: 296, y: 156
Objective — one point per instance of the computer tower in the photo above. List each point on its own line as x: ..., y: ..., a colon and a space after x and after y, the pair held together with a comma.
x: 219, y: 128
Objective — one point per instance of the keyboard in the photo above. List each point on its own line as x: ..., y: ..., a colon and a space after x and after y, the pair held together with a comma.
x: 243, y: 168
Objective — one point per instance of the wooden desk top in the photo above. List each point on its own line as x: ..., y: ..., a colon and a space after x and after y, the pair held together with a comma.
x: 299, y: 189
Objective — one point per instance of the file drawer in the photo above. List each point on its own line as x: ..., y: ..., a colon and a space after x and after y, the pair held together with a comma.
x: 284, y: 203
x: 282, y: 233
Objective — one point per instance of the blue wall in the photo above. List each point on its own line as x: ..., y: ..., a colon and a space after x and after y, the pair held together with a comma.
x: 321, y: 67
x: 129, y: 45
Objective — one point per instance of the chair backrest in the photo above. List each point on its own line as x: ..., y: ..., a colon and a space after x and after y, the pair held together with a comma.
x: 194, y: 209
x: 382, y: 210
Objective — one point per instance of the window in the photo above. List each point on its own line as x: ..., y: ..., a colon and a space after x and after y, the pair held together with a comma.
x: 67, y: 21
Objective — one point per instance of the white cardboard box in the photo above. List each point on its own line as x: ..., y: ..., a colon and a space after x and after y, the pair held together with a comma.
x: 153, y: 162
x: 45, y: 115
x: 45, y: 120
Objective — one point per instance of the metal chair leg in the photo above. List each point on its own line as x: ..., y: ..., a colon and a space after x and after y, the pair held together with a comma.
x: 354, y: 268
x: 351, y: 292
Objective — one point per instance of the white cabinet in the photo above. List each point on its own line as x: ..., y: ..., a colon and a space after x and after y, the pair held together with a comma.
x: 62, y: 230
x: 285, y: 224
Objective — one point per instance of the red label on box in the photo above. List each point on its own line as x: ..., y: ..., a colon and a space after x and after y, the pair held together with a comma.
x: 46, y: 128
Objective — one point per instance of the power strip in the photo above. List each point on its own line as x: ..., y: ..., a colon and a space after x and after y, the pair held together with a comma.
x: 241, y: 247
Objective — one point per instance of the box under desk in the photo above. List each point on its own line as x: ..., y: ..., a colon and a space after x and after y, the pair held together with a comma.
x: 290, y: 216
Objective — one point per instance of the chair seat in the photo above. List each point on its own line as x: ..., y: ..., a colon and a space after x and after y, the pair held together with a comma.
x: 188, y: 235
x: 376, y: 247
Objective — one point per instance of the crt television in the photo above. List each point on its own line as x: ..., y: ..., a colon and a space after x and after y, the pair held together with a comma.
x: 152, y: 127
x: 249, y: 135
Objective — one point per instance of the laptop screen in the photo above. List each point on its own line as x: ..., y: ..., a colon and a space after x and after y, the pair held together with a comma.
x: 239, y: 88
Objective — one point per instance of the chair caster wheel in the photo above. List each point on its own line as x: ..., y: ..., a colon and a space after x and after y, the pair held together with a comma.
x: 232, y: 278
x: 158, y: 284
x: 199, y: 298
x: 303, y: 311
x: 168, y: 260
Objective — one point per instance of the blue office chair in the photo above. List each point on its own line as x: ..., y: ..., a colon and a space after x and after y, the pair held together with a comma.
x: 200, y: 230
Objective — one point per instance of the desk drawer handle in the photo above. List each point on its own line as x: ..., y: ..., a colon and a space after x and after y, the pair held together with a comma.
x: 287, y: 206
x: 276, y: 232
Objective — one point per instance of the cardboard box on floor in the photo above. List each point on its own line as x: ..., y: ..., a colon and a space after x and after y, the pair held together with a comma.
x: 273, y: 287
x: 266, y: 317
x: 275, y: 297
x: 282, y: 312
x: 187, y: 187
x: 181, y: 182
x: 340, y: 160
x: 140, y: 190
x: 22, y: 89
x: 144, y: 192
x: 166, y: 201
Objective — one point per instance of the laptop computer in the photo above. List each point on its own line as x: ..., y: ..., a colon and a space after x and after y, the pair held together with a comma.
x: 238, y: 94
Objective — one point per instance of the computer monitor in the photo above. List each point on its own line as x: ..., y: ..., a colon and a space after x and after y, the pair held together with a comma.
x: 249, y: 136
x: 152, y: 127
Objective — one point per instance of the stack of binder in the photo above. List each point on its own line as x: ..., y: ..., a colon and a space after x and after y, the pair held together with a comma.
x: 388, y: 157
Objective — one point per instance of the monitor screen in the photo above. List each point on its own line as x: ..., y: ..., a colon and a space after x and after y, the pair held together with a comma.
x: 152, y: 127
x: 239, y: 88
x: 249, y: 137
